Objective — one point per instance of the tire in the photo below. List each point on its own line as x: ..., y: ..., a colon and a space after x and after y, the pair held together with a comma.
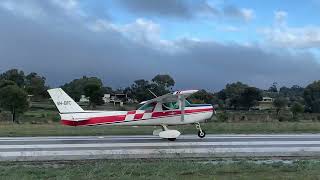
x: 172, y: 139
x: 201, y: 135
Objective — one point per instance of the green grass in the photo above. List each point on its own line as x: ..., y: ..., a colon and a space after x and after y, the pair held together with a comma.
x: 158, y: 169
x: 56, y: 129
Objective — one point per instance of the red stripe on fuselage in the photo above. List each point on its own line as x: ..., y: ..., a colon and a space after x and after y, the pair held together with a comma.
x: 95, y: 120
x: 120, y: 118
x: 69, y: 123
x: 131, y: 112
x: 138, y: 116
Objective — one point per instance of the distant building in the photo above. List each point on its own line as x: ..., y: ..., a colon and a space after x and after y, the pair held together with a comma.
x: 106, y: 98
x: 265, y: 104
x: 84, y: 99
x: 118, y: 98
x: 30, y: 97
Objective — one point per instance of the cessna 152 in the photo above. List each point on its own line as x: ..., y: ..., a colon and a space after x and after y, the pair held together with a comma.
x: 169, y: 109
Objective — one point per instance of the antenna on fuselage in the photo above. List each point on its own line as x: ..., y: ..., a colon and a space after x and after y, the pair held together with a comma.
x: 152, y: 93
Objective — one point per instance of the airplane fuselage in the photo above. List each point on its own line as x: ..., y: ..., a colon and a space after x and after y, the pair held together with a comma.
x: 194, y: 114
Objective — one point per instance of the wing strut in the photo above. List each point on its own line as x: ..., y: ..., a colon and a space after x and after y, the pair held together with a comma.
x: 182, y: 103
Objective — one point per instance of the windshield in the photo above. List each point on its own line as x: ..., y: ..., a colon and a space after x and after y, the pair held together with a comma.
x: 147, y: 107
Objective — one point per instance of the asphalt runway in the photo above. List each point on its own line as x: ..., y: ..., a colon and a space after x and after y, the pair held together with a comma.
x: 122, y: 147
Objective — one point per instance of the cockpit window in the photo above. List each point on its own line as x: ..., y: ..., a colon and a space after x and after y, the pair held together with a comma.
x: 148, y: 107
x: 187, y: 103
x: 170, y: 105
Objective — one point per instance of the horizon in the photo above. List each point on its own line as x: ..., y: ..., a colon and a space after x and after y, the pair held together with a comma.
x: 173, y: 88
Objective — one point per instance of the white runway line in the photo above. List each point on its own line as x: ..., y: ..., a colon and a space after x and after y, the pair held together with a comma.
x: 143, y: 137
x: 59, y: 148
x: 161, y: 151
x: 161, y: 144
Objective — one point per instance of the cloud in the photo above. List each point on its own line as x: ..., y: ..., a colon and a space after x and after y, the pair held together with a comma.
x: 238, y: 13
x: 280, y: 17
x: 122, y: 53
x: 169, y: 8
x: 282, y: 35
x: 144, y: 32
x: 230, y: 28
x: 186, y: 9
x: 26, y: 9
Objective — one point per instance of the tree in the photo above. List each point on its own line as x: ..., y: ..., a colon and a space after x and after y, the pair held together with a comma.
x: 295, y: 90
x: 14, y: 75
x: 280, y: 103
x: 139, y: 90
x: 161, y: 84
x: 312, y: 97
x: 273, y: 88
x: 163, y: 80
x: 75, y: 88
x: 202, y: 96
x: 294, y: 94
x: 95, y: 94
x: 35, y: 84
x: 4, y: 83
x: 233, y: 92
x: 13, y: 99
x: 107, y: 90
x: 297, y: 108
x: 250, y: 97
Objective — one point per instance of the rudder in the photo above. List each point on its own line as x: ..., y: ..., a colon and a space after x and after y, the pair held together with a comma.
x: 64, y: 102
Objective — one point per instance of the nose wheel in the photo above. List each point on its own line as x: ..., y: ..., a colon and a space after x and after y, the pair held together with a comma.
x: 201, y: 133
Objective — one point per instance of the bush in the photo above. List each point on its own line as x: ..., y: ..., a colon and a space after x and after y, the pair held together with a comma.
x: 222, y: 117
x: 294, y: 119
x: 56, y: 118
x: 283, y: 118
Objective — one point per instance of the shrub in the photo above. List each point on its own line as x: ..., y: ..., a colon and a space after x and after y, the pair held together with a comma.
x: 283, y: 118
x: 56, y: 118
x: 222, y: 117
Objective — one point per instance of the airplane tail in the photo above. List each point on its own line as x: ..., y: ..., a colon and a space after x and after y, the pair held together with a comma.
x: 64, y: 102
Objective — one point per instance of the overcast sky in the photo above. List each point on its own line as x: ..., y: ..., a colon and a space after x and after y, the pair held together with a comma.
x: 200, y: 43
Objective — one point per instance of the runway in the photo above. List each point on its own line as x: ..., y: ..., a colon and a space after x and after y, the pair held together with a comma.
x: 122, y: 147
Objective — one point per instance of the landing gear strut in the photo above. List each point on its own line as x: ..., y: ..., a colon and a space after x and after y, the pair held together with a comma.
x: 201, y: 133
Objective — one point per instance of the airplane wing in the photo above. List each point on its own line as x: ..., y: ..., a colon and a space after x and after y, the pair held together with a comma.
x: 170, y: 97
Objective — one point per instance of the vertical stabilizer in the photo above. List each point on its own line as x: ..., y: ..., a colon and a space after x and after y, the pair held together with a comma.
x: 64, y: 102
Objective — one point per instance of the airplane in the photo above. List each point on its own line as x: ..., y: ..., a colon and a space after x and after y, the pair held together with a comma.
x: 166, y: 110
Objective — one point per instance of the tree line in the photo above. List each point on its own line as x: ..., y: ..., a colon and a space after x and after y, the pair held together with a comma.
x: 15, y: 86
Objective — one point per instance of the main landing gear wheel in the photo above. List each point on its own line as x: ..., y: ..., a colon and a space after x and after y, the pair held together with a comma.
x: 172, y: 139
x: 201, y: 134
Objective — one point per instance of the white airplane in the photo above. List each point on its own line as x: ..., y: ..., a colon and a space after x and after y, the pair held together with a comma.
x: 169, y: 109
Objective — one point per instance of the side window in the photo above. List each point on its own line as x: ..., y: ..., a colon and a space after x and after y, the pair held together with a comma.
x: 187, y: 104
x: 148, y: 107
x: 170, y: 106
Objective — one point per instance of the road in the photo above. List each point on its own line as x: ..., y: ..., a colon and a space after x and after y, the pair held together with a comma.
x: 114, y: 147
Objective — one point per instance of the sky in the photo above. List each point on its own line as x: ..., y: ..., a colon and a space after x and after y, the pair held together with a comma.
x: 202, y: 44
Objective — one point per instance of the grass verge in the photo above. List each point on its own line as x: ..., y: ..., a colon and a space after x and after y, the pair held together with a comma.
x: 159, y: 169
x: 56, y: 129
